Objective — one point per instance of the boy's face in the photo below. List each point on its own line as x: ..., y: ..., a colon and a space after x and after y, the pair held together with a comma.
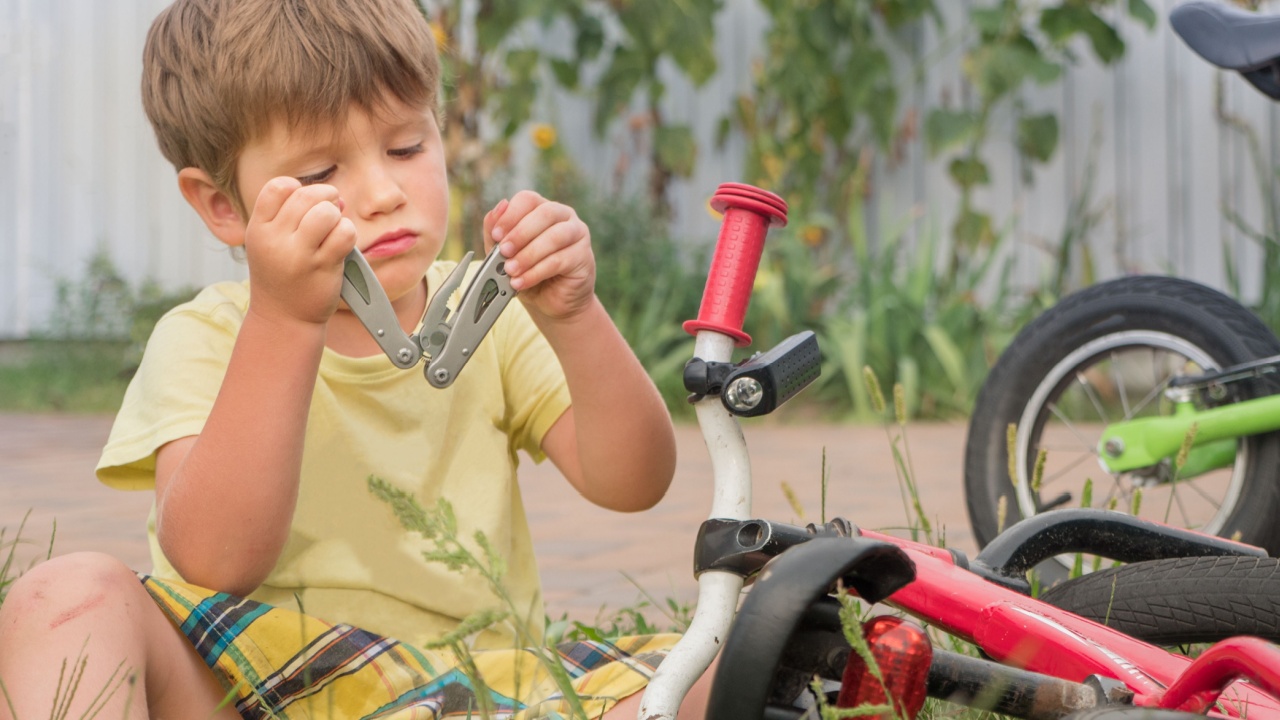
x: 388, y: 168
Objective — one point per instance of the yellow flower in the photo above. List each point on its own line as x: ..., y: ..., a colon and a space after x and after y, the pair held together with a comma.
x: 544, y: 136
x: 812, y: 235
x: 441, y: 38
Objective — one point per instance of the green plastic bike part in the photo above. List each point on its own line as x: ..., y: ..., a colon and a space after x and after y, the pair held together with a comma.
x: 1146, y: 441
x: 1208, y: 456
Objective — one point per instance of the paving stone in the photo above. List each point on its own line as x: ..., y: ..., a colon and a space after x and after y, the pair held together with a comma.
x: 46, y: 468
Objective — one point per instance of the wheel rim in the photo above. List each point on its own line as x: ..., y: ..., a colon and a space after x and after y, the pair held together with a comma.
x: 1069, y: 409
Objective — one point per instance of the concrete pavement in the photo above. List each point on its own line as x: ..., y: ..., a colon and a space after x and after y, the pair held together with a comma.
x: 46, y: 469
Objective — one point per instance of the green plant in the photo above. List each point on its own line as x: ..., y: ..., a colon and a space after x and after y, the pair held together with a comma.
x: 439, y: 527
x: 1013, y: 43
x: 495, y: 68
x: 824, y: 95
x: 83, y: 357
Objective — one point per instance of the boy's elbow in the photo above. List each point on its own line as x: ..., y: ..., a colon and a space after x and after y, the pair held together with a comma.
x: 648, y: 488
x: 219, y: 570
x: 239, y: 582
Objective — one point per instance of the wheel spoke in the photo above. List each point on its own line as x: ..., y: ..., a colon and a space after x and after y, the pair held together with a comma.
x: 1200, y: 491
x: 1146, y: 400
x: 1125, y: 496
x: 1053, y: 408
x: 1093, y: 397
x: 1106, y: 502
x: 1051, y: 449
x: 1119, y: 380
x: 1186, y: 519
x: 1046, y: 481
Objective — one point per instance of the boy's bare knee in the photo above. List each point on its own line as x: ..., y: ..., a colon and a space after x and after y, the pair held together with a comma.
x: 66, y: 588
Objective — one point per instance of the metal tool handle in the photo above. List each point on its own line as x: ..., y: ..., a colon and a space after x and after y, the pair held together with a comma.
x: 489, y: 292
x: 368, y: 301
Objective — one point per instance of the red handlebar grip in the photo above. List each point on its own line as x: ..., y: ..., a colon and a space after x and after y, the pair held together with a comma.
x: 749, y: 212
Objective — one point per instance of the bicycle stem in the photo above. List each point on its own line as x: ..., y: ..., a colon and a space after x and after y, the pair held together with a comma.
x: 748, y: 213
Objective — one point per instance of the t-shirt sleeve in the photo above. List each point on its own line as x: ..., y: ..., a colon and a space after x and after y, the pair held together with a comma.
x: 533, y: 383
x: 170, y: 396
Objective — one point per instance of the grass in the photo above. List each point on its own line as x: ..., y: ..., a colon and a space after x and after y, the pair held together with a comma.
x: 63, y: 376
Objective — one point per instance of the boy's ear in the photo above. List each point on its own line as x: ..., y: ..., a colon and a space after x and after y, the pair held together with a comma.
x: 214, y: 206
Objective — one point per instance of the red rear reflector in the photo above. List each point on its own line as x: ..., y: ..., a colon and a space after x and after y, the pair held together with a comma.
x: 902, y: 652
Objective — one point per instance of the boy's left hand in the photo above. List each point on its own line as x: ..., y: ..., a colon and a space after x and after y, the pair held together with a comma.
x: 547, y: 250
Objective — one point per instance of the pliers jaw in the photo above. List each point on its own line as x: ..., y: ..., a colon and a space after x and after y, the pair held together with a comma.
x: 448, y: 338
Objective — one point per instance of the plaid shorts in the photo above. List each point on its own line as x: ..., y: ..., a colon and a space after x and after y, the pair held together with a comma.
x: 277, y: 663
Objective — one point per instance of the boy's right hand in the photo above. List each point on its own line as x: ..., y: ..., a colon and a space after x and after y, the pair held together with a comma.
x: 295, y: 243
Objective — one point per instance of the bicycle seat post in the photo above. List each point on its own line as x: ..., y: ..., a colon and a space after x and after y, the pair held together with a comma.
x: 748, y: 214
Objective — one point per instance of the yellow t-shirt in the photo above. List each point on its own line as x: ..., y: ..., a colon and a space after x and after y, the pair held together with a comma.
x: 347, y: 559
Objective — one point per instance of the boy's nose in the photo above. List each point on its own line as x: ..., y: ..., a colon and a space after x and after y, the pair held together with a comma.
x: 379, y: 193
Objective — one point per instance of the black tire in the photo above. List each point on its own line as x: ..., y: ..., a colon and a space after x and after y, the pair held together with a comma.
x: 1180, y: 601
x: 1128, y: 712
x: 1111, y: 328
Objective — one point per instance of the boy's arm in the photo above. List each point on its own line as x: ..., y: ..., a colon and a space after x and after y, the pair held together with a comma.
x: 225, y: 498
x: 615, y: 444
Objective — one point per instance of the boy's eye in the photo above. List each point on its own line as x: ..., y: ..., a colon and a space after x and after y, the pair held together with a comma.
x: 406, y: 151
x: 317, y: 177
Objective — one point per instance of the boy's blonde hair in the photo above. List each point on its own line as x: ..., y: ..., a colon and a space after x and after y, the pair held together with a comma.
x: 217, y: 73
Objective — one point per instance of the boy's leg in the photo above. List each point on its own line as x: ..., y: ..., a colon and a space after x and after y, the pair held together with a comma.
x: 91, y: 606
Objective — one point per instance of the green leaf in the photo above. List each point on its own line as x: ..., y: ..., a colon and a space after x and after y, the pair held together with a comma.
x: 1107, y: 43
x: 1062, y: 23
x: 626, y: 71
x: 1038, y: 136
x: 990, y: 21
x: 944, y: 129
x: 565, y: 72
x: 969, y: 171
x: 949, y: 356
x: 1000, y: 69
x: 973, y: 229
x: 590, y: 38
x: 1141, y: 11
x: 677, y: 150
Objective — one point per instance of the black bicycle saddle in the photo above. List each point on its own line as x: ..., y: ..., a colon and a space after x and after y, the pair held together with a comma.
x: 1227, y: 36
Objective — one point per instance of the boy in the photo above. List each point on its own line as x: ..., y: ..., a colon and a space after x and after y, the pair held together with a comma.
x: 302, y: 129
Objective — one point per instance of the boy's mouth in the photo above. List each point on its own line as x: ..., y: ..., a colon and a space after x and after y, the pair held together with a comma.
x: 392, y: 243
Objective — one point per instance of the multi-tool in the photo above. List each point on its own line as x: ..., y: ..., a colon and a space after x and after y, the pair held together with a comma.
x: 448, y: 338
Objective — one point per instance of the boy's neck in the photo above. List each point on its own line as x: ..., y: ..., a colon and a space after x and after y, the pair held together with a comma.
x: 346, y: 335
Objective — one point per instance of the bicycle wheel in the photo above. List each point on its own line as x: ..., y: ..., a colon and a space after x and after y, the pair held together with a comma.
x: 1179, y: 601
x: 1106, y: 354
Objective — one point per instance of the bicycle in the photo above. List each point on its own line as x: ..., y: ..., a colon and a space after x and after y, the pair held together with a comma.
x: 1045, y: 661
x: 1128, y: 372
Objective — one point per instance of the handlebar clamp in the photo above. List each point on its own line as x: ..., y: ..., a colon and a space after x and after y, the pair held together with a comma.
x: 760, y: 384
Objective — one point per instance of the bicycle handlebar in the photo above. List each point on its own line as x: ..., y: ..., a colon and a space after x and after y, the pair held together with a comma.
x: 749, y: 212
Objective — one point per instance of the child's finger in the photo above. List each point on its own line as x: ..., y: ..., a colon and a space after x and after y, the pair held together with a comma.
x: 490, y: 220
x: 302, y: 201
x: 319, y: 220
x: 521, y: 204
x: 534, y: 223
x: 340, y: 241
x: 563, y: 249
x: 272, y: 197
